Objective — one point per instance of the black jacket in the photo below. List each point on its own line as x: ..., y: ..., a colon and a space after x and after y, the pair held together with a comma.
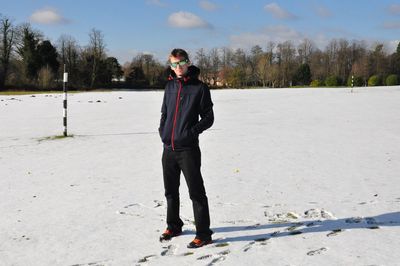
x: 185, y: 99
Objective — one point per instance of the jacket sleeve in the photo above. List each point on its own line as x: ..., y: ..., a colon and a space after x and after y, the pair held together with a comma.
x: 163, y: 115
x: 206, y: 112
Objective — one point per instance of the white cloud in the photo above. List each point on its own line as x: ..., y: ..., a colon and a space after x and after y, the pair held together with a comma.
x: 276, y: 34
x: 394, y: 9
x: 156, y: 3
x: 389, y: 46
x: 392, y: 45
x: 48, y: 15
x: 392, y: 25
x: 280, y: 33
x: 275, y: 10
x: 183, y: 19
x: 207, y: 5
x: 323, y: 12
x: 125, y: 56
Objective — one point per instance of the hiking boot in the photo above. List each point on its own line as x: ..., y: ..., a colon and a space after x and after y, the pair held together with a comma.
x: 197, y: 242
x: 169, y: 234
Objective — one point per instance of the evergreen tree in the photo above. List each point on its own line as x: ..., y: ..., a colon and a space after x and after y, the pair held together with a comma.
x: 28, y: 52
x: 303, y: 75
x: 47, y: 56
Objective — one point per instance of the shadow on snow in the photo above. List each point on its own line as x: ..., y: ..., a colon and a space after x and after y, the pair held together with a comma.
x: 311, y: 226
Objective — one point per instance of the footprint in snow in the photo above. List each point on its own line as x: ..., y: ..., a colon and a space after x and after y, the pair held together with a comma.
x: 276, y: 233
x: 222, y: 244
x: 131, y: 205
x: 353, y: 220
x: 260, y: 241
x: 296, y: 232
x: 253, y: 226
x: 220, y: 257
x: 371, y: 222
x: 248, y: 246
x: 335, y: 232
x: 295, y: 226
x: 146, y: 258
x: 96, y: 263
x: 169, y: 250
x: 158, y: 203
x: 317, y: 213
x: 204, y: 257
x: 316, y: 252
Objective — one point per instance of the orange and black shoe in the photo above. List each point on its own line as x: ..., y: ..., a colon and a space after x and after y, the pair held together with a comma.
x: 169, y: 234
x: 197, y: 242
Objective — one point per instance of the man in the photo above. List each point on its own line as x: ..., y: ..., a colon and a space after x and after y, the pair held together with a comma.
x: 185, y: 99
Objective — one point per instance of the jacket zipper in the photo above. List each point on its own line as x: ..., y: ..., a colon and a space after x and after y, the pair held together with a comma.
x: 176, y: 114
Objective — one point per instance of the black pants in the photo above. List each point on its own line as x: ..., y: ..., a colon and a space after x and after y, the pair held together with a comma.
x: 189, y: 162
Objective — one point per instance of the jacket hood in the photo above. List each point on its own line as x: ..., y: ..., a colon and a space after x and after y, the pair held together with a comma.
x: 192, y: 73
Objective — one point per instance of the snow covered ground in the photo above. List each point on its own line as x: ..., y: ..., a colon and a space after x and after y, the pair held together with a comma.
x: 293, y: 177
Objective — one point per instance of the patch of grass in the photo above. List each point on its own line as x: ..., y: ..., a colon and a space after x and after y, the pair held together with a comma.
x: 146, y: 258
x: 55, y: 137
x: 10, y: 93
x: 295, y: 233
x: 222, y: 244
x: 279, y: 221
x: 28, y: 92
x: 299, y: 86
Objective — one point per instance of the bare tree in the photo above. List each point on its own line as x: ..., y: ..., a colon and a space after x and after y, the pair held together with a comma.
x: 203, y: 62
x: 332, y: 56
x: 286, y: 59
x: 305, y: 49
x: 7, y: 35
x: 255, y: 58
x: 96, y: 51
x: 379, y: 60
x: 319, y: 65
x: 69, y: 51
x: 344, y: 59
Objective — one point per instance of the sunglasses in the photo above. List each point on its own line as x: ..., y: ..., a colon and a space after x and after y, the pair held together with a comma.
x: 180, y: 63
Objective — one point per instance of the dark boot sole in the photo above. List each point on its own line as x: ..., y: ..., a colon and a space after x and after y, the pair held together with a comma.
x: 163, y: 239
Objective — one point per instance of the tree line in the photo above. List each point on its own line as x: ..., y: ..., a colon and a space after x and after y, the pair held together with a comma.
x: 341, y: 63
x: 30, y: 61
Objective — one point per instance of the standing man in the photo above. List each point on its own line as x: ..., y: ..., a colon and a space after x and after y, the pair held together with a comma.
x: 185, y: 99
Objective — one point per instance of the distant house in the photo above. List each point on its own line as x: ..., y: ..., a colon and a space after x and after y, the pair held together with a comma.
x: 121, y: 79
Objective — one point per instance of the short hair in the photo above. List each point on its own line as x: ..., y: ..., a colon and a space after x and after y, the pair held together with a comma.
x: 177, y: 52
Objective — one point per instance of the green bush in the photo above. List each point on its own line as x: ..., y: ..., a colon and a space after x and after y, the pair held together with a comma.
x: 374, y: 81
x: 392, y: 80
x: 332, y: 81
x: 357, y: 82
x: 316, y: 83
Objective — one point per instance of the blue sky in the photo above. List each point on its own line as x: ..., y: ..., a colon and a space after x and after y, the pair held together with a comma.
x: 157, y: 26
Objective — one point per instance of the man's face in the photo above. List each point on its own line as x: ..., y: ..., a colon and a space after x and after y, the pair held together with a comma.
x: 179, y: 65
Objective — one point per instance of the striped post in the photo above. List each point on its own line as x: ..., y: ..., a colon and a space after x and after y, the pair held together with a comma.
x: 352, y: 82
x: 65, y: 80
